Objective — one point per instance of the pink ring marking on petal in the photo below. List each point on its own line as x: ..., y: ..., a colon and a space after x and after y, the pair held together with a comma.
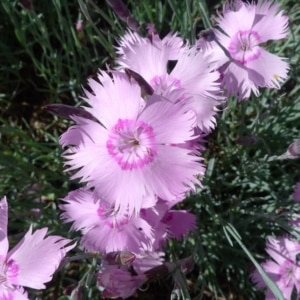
x: 244, y: 46
x: 131, y: 144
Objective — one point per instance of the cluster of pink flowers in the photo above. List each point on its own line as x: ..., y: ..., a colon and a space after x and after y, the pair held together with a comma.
x: 137, y: 143
x: 139, y: 153
x: 137, y: 147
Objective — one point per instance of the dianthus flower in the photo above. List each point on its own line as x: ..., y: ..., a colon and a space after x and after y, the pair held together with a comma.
x: 31, y: 263
x: 134, y: 151
x: 105, y: 231
x: 283, y: 268
x: 193, y: 78
x: 246, y: 65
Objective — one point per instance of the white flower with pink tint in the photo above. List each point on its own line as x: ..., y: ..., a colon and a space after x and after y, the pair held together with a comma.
x: 283, y: 268
x: 193, y: 79
x: 31, y: 263
x: 135, y: 150
x: 246, y: 65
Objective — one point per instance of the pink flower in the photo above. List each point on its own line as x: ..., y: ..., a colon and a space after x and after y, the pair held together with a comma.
x: 192, y: 80
x: 117, y: 281
x: 132, y: 40
x: 31, y: 263
x: 283, y: 269
x: 247, y: 66
x: 103, y: 230
x: 134, y: 152
x: 79, y: 26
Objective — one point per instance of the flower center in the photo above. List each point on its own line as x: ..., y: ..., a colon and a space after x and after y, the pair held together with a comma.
x: 244, y: 46
x: 131, y: 144
x: 113, y: 221
x: 165, y: 84
x: 8, y: 271
x: 287, y: 272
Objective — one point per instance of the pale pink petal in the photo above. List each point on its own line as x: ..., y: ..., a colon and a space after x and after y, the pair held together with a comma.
x: 241, y: 19
x: 178, y: 122
x: 276, y: 250
x: 14, y: 294
x: 104, y: 106
x: 236, y: 81
x: 200, y: 81
x: 274, y: 24
x: 115, y: 183
x: 179, y: 223
x: 147, y: 260
x: 174, y: 43
x: 271, y: 267
x: 174, y: 174
x: 292, y: 247
x: 146, y: 59
x: 268, y: 70
x: 81, y: 207
x: 37, y: 257
x: 285, y: 290
x: 212, y: 49
x: 134, y: 236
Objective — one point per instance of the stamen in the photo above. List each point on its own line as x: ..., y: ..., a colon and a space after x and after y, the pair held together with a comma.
x: 244, y: 46
x: 131, y: 144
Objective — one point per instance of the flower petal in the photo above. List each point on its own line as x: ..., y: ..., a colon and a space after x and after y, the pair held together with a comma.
x: 37, y: 258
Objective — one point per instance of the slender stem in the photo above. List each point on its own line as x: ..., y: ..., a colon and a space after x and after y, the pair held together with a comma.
x: 188, y: 8
x: 204, y: 14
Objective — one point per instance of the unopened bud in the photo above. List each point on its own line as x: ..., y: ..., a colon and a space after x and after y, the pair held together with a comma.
x: 77, y: 293
x: 144, y: 85
x: 294, y: 148
x: 123, y: 13
x: 208, y: 35
x: 120, y: 258
x: 67, y: 111
x: 27, y: 4
x: 79, y: 26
